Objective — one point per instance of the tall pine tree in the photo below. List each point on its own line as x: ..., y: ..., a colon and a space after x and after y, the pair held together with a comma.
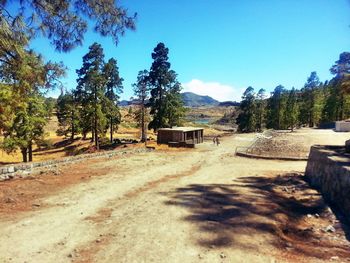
x: 91, y: 91
x: 141, y: 91
x: 114, y: 86
x: 247, y: 119
x: 165, y: 101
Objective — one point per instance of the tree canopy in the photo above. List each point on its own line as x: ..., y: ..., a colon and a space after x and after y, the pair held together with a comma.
x: 64, y: 22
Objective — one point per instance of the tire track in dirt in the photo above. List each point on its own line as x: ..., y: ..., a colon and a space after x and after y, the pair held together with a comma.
x: 87, y: 252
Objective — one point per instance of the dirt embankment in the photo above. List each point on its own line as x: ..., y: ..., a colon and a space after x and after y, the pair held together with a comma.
x: 201, y: 205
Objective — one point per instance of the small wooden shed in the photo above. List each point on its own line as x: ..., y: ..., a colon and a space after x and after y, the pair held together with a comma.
x: 180, y: 136
x: 342, y: 126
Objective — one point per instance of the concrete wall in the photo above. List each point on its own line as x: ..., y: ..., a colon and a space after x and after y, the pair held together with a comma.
x: 342, y: 126
x: 25, y: 169
x: 328, y: 170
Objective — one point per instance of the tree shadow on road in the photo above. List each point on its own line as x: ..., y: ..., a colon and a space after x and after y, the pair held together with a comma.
x: 282, y: 207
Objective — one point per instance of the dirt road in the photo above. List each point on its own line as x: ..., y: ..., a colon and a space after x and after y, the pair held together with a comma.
x: 201, y: 205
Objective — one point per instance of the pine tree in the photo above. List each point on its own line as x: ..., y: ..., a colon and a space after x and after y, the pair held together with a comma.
x: 50, y: 104
x: 165, y: 102
x: 341, y: 82
x: 64, y: 22
x: 310, y: 112
x: 141, y: 91
x: 91, y: 91
x: 292, y: 111
x: 24, y: 79
x: 246, y: 119
x: 260, y: 109
x: 114, y: 86
x: 276, y: 108
x: 68, y: 115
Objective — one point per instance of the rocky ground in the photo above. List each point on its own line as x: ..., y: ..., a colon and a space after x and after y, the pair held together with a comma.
x: 294, y: 144
x: 191, y: 205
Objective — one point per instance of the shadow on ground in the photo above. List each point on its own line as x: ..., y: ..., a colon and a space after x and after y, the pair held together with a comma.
x: 282, y: 208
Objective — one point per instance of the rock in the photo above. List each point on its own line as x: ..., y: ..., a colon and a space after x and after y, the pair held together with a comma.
x: 222, y: 255
x: 10, y: 200
x: 317, y: 215
x: 288, y: 244
x: 285, y: 189
x: 309, y: 216
x: 330, y: 229
x: 308, y: 229
x: 98, y: 240
x: 200, y: 256
x: 334, y: 258
x: 347, y: 146
x: 36, y: 205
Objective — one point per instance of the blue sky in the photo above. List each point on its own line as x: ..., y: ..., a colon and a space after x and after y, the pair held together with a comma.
x: 221, y: 47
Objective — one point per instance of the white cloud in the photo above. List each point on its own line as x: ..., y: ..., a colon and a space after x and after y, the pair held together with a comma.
x: 215, y: 90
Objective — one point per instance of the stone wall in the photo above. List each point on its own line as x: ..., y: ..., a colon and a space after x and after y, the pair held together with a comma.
x: 25, y: 169
x: 328, y: 170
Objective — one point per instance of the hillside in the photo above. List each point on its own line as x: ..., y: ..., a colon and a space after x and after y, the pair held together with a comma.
x: 191, y: 99
x: 194, y: 100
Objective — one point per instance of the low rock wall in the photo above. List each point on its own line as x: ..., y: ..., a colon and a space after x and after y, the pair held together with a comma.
x: 328, y: 170
x: 25, y: 169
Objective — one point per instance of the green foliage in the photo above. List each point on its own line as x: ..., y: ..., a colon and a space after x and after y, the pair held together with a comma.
x: 246, y: 119
x: 141, y: 91
x: 97, y: 94
x: 68, y: 115
x: 276, y: 108
x: 64, y: 22
x: 91, y: 90
x: 114, y: 86
x: 7, y: 106
x: 50, y: 104
x: 24, y: 78
x: 260, y: 109
x: 314, y: 104
x: 292, y: 110
x: 310, y: 110
x: 165, y: 101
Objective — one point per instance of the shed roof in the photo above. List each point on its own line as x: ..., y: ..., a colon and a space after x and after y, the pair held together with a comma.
x: 182, y: 129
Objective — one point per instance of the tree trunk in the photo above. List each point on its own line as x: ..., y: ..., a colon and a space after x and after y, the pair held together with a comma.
x: 24, y: 154
x: 143, y: 139
x: 97, y: 144
x: 30, y: 151
x: 342, y: 107
x: 111, y: 130
x: 73, y: 128
x: 96, y: 135
x: 92, y: 131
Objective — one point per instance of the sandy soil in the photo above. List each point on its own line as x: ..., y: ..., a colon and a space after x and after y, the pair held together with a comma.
x: 294, y: 144
x: 199, y: 205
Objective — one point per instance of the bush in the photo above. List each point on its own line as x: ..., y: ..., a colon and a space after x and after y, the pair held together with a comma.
x: 45, y: 144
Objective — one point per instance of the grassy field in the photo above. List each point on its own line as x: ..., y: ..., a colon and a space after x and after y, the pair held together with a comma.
x: 62, y: 147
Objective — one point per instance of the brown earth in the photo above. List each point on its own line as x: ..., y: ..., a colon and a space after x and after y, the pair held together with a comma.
x: 193, y: 205
x: 59, y: 146
x: 294, y: 144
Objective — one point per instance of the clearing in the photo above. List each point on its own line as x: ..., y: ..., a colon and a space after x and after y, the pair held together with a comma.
x: 200, y: 205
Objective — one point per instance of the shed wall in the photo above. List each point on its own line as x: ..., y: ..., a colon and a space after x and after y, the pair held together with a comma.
x: 342, y: 126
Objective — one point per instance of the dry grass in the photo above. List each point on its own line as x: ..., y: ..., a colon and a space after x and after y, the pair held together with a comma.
x: 127, y: 130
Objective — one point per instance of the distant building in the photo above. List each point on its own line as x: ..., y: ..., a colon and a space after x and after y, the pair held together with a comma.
x: 180, y: 136
x: 342, y: 126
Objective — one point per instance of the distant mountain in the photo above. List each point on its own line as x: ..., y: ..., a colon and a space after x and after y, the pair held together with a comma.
x: 190, y: 99
x: 229, y: 104
x: 194, y: 100
x: 124, y: 103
